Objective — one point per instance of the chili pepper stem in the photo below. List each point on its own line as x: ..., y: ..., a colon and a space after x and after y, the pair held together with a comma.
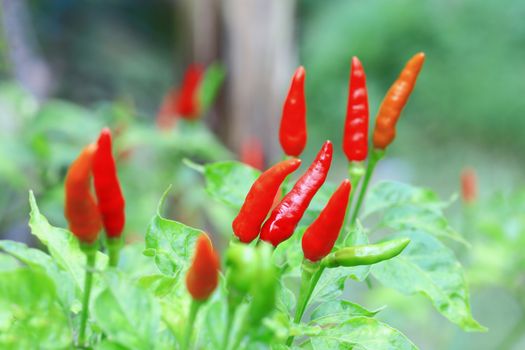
x: 356, y: 171
x: 91, y: 253
x: 113, y: 246
x: 194, y: 308
x: 233, y: 303
x: 311, y: 272
x: 375, y: 157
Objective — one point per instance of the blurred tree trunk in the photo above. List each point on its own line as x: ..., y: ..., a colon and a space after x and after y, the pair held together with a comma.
x: 260, y: 57
x: 27, y: 67
x: 255, y: 40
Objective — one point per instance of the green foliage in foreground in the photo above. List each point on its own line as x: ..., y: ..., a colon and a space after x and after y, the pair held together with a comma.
x: 143, y: 304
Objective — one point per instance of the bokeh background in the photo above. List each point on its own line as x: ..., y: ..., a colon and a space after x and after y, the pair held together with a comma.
x: 68, y: 67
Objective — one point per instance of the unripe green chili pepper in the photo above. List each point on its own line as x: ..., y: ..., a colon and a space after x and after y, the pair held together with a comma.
x: 287, y: 214
x: 292, y: 132
x: 366, y: 254
x: 320, y: 237
x: 242, y: 261
x: 394, y: 102
x: 259, y: 200
x: 264, y: 286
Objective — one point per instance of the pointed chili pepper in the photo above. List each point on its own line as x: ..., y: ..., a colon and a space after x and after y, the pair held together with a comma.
x: 394, y: 102
x: 292, y: 133
x: 366, y: 254
x: 320, y: 237
x: 188, y: 100
x: 355, y: 137
x: 107, y: 186
x: 81, y: 209
x: 469, y: 188
x: 203, y: 275
x: 260, y: 198
x: 287, y: 214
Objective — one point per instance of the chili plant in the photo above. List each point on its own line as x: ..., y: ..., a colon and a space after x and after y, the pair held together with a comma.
x: 281, y: 280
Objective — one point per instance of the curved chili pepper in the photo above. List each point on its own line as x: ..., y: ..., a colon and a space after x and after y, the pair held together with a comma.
x: 287, y: 214
x: 469, y: 188
x: 107, y: 187
x: 355, y: 137
x: 366, y: 254
x: 260, y: 198
x: 394, y: 102
x: 320, y: 237
x: 292, y: 133
x: 188, y: 100
x: 203, y: 275
x: 81, y: 209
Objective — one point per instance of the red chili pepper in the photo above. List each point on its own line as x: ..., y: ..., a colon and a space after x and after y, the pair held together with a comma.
x: 355, y: 137
x: 287, y: 214
x: 107, y: 186
x: 81, y: 209
x: 168, y: 110
x: 395, y: 100
x: 320, y: 237
x: 203, y: 275
x: 469, y: 187
x: 188, y: 101
x: 252, y: 153
x: 260, y: 199
x: 292, y: 133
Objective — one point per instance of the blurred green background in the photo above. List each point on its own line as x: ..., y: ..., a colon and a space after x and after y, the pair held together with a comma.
x: 69, y: 67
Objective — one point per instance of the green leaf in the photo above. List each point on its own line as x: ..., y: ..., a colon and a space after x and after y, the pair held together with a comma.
x: 210, y: 84
x: 390, y: 193
x: 409, y: 216
x: 169, y: 242
x: 337, y: 311
x: 330, y: 285
x: 8, y: 263
x: 428, y: 267
x: 109, y: 345
x: 36, y: 259
x: 160, y: 284
x: 361, y: 333
x: 230, y: 181
x: 127, y: 314
x: 30, y: 317
x: 62, y: 245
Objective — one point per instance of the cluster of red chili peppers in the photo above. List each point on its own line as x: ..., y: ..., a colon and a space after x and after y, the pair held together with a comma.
x: 264, y: 213
x: 274, y: 223
x: 318, y: 240
x: 86, y: 216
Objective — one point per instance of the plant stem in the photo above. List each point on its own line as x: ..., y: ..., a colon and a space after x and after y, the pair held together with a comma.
x: 194, y: 308
x: 113, y: 245
x: 374, y: 159
x: 229, y: 323
x: 356, y: 171
x: 311, y: 272
x: 91, y: 254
